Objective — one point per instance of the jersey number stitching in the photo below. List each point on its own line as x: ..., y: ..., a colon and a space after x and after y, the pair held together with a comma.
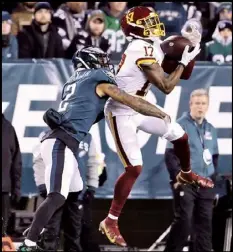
x: 144, y: 90
x: 70, y: 89
x: 149, y: 51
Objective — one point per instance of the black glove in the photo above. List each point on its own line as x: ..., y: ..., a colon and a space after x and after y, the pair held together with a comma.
x: 43, y: 191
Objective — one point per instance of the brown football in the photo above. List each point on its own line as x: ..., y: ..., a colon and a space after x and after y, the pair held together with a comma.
x: 173, y: 48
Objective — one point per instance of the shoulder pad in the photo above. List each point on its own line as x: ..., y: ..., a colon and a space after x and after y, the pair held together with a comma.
x: 105, y: 75
x: 109, y: 74
x: 143, y: 52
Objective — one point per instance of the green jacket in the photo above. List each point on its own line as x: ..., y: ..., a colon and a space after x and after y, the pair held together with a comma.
x: 217, y: 52
x: 114, y: 35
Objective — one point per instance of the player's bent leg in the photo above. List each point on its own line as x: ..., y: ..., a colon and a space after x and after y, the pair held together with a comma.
x: 179, y: 138
x: 58, y: 174
x: 124, y: 132
x: 123, y: 187
x: 174, y: 133
x: 49, y: 239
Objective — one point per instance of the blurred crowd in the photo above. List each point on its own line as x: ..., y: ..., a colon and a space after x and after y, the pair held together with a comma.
x: 46, y: 30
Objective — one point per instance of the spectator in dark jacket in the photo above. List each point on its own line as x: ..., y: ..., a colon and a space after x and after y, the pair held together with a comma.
x: 11, y: 169
x: 40, y: 39
x: 9, y: 42
x: 70, y: 18
x: 95, y: 27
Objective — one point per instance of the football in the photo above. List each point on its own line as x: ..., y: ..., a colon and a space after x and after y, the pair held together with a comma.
x: 173, y: 48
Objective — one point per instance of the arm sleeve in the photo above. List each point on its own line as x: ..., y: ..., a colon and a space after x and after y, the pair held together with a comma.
x: 145, y: 61
x: 145, y: 54
x: 38, y: 167
x: 92, y: 166
x: 16, y: 167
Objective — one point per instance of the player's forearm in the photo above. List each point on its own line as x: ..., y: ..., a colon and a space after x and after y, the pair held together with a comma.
x: 143, y: 107
x: 173, y: 79
x: 136, y: 103
x: 155, y: 74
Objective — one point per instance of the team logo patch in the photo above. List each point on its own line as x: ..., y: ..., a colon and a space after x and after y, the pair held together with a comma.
x: 208, y: 135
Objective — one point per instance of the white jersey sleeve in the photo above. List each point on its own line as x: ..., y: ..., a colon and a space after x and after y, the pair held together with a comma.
x: 144, y: 54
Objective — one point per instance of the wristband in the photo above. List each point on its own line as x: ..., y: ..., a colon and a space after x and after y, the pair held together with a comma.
x: 180, y: 63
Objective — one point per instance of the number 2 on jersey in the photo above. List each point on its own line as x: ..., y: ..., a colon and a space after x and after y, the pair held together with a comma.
x: 149, y: 51
x: 69, y: 91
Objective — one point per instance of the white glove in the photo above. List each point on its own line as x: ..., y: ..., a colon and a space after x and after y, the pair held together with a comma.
x: 194, y: 36
x: 188, y: 56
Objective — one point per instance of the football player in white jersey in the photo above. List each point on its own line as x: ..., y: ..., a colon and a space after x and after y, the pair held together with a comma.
x: 140, y: 68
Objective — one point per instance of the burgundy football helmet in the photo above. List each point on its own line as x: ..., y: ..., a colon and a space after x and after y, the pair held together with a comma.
x: 142, y: 23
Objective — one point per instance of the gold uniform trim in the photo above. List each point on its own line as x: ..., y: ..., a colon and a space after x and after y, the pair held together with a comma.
x: 145, y: 60
x: 120, y: 151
